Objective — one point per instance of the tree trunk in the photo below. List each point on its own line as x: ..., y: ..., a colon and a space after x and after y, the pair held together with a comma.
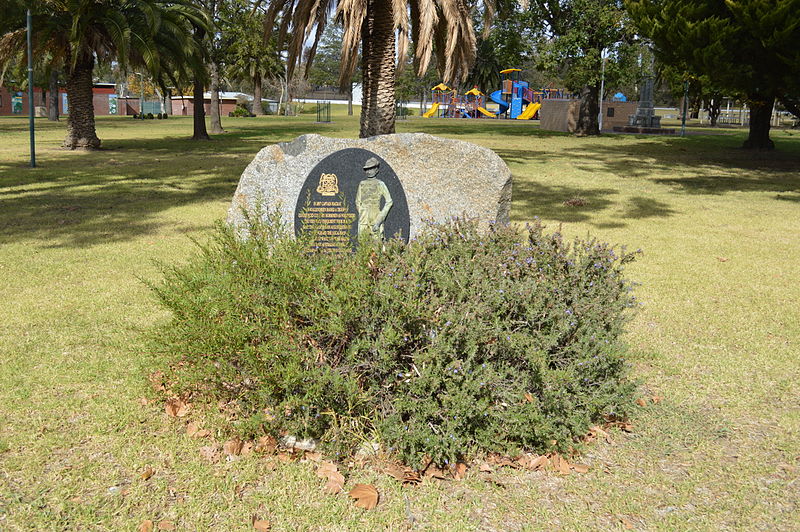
x: 350, y: 99
x: 378, y: 69
x: 714, y: 110
x: 168, y: 102
x: 258, y: 110
x: 199, y: 118
x: 81, y: 132
x: 52, y: 99
x: 760, y: 117
x: 216, y: 124
x: 588, y: 111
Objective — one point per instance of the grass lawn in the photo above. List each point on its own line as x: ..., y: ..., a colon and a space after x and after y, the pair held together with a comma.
x: 718, y: 336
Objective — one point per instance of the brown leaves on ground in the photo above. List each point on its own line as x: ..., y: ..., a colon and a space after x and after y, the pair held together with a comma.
x: 166, y: 525
x: 176, y: 407
x: 261, y: 525
x: 147, y: 473
x: 459, y: 471
x: 404, y: 474
x: 365, y: 495
x: 266, y: 445
x: 596, y: 433
x: 212, y: 453
x: 330, y: 472
x: 233, y: 447
x: 193, y: 430
x: 146, y: 526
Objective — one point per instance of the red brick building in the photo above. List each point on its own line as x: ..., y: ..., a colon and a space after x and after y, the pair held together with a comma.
x: 14, y: 102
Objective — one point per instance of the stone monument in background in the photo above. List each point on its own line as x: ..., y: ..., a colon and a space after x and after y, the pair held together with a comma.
x: 646, y: 113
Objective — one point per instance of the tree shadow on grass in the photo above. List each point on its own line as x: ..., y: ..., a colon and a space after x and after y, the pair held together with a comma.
x: 81, y: 199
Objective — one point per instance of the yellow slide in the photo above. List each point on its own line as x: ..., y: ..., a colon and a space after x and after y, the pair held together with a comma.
x: 431, y: 111
x: 529, y: 111
x: 487, y: 113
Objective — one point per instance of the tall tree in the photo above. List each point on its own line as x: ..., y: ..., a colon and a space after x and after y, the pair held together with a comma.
x: 249, y: 55
x: 576, y: 33
x: 77, y: 32
x: 384, y: 30
x: 748, y: 47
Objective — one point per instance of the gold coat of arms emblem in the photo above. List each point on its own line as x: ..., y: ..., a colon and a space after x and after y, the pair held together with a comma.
x: 328, y: 185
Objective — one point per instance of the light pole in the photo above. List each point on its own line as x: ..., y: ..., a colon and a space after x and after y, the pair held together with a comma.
x: 30, y: 90
x: 141, y: 95
x: 603, y: 56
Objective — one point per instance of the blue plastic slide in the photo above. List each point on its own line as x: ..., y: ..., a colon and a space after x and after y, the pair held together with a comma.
x: 497, y: 97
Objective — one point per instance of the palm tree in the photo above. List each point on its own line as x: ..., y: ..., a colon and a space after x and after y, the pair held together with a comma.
x: 152, y: 34
x: 384, y: 30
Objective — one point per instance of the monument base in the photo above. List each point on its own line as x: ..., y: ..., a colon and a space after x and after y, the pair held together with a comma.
x: 644, y: 130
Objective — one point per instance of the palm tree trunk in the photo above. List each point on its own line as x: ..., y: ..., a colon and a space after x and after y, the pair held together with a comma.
x: 760, y: 116
x: 216, y: 124
x: 199, y: 118
x: 257, y: 109
x: 81, y: 132
x: 378, y: 69
x: 52, y: 97
x: 587, y: 113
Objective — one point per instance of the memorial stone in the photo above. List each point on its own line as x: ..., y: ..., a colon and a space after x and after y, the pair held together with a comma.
x: 335, y: 190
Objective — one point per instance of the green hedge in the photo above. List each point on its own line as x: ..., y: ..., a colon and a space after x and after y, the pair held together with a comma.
x: 458, y: 343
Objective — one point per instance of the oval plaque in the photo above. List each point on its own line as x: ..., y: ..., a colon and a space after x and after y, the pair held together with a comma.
x: 348, y: 193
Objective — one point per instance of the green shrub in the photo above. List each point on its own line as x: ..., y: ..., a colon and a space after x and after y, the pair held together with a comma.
x: 239, y: 111
x: 458, y: 343
x: 150, y: 116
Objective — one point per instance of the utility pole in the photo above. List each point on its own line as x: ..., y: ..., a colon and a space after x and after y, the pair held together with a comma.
x: 30, y: 91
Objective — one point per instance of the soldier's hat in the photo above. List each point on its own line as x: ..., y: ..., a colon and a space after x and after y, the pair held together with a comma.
x: 372, y: 162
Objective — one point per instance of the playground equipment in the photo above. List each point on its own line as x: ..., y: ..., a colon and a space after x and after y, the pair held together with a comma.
x: 447, y: 103
x: 515, y: 100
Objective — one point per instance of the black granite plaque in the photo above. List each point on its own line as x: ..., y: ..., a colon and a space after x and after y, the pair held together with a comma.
x: 349, y: 192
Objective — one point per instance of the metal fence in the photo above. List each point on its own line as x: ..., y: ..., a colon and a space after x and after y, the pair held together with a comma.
x: 323, y: 111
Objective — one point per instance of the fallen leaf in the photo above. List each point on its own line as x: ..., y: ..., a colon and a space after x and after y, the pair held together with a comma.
x: 146, y: 526
x: 313, y: 457
x: 144, y: 401
x: 266, y: 444
x: 233, y: 447
x: 175, y: 407
x: 365, y: 495
x: 722, y: 259
x: 540, y: 462
x: 599, y: 432
x: 580, y: 468
x: 656, y: 399
x: 641, y: 402
x: 560, y: 464
x: 192, y: 428
x: 627, y: 523
x: 262, y: 525
x: 434, y: 472
x: 166, y: 525
x: 247, y: 448
x: 335, y: 480
x: 147, y: 473
x: 211, y: 453
x: 395, y: 471
x: 460, y: 470
x: 528, y: 397
x: 285, y: 457
x: 485, y: 468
